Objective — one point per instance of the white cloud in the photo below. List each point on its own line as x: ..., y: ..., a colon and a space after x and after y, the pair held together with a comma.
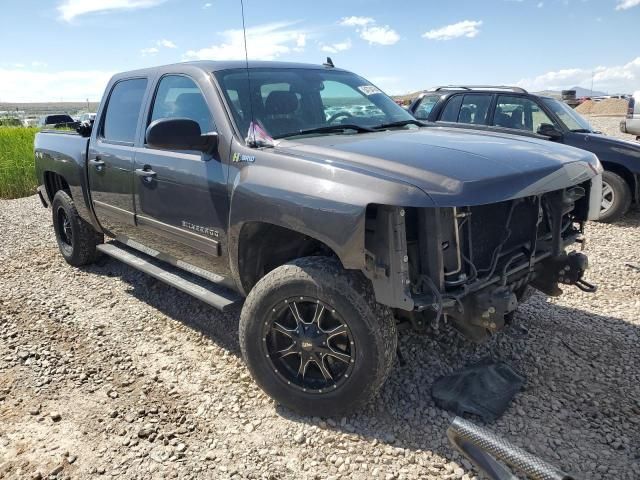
x: 70, y: 9
x: 167, y: 44
x: 207, y: 5
x: 370, y: 31
x: 356, y: 21
x: 540, y: 4
x: 613, y: 79
x: 37, y: 64
x: 466, y: 28
x: 337, y: 47
x: 264, y: 42
x: 626, y: 4
x: 24, y: 85
x: 149, y: 51
x: 380, y: 35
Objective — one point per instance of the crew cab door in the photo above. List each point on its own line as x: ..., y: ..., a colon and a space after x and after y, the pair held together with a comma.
x: 111, y: 155
x: 181, y: 197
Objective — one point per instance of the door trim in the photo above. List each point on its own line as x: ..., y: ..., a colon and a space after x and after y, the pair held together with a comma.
x: 205, y: 245
x: 118, y: 214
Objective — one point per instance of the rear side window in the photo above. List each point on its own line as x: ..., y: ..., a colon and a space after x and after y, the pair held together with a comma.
x: 451, y: 110
x: 123, y: 110
x: 475, y: 108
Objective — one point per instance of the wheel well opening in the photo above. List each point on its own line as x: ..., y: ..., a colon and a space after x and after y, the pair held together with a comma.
x: 264, y: 247
x: 625, y: 174
x: 54, y: 182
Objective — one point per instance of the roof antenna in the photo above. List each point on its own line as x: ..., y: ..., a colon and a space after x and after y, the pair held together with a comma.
x: 251, y: 137
x: 329, y: 63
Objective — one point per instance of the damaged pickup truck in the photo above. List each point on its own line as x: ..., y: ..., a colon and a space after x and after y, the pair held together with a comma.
x: 338, y: 218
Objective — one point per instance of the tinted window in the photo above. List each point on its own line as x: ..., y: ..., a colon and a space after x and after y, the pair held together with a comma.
x: 426, y: 105
x: 474, y: 109
x: 519, y: 113
x: 58, y: 119
x: 179, y: 97
x: 123, y: 110
x: 451, y: 110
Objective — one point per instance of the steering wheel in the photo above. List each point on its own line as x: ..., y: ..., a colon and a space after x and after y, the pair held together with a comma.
x: 340, y: 114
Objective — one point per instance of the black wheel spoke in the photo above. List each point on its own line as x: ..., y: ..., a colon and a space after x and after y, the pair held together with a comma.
x: 343, y: 357
x: 285, y: 352
x: 312, y: 355
x: 339, y: 330
x: 293, y: 307
x: 318, y: 359
x: 304, y: 362
x: 284, y: 331
x: 317, y: 316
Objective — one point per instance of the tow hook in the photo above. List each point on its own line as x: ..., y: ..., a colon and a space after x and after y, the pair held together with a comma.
x: 573, y: 271
x: 565, y: 270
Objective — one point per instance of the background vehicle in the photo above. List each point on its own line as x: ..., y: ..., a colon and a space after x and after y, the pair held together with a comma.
x: 335, y: 225
x: 58, y: 120
x: 631, y: 124
x: 514, y: 110
x: 87, y: 117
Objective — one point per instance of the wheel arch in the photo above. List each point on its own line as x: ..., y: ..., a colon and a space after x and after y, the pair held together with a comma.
x: 264, y: 246
x: 54, y: 182
x: 627, y: 175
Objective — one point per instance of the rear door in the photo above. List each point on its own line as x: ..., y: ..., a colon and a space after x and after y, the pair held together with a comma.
x: 181, y: 197
x: 469, y: 108
x: 111, y: 156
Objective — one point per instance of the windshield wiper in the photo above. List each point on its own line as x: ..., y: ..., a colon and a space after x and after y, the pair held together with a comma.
x: 581, y: 130
x: 401, y: 123
x: 328, y: 129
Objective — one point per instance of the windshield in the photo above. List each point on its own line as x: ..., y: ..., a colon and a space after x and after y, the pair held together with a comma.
x: 287, y: 101
x: 568, y: 116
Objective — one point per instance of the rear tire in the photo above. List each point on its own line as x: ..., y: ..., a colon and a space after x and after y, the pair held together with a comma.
x: 359, y: 361
x: 616, y: 197
x: 76, y: 238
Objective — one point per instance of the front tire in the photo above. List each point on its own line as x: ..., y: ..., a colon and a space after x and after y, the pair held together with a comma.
x: 76, y: 238
x: 616, y: 197
x: 315, y: 340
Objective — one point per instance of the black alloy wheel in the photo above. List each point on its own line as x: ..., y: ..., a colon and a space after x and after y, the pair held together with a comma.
x: 309, y: 345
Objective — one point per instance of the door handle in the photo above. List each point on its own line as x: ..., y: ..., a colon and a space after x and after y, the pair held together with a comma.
x: 97, y: 164
x: 146, y: 173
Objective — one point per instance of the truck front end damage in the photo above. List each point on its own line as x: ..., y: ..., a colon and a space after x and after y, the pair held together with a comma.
x: 471, y: 265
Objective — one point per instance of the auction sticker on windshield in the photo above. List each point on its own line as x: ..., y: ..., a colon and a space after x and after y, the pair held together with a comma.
x: 369, y: 89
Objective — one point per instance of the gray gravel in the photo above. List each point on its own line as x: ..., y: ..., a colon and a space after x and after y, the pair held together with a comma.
x: 105, y: 372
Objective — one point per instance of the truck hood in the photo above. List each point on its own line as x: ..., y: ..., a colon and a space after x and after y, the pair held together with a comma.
x: 453, y: 166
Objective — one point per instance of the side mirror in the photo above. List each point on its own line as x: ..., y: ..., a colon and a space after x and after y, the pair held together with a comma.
x: 550, y: 131
x: 179, y: 134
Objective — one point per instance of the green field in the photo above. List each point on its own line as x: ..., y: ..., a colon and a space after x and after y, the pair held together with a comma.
x: 17, y: 172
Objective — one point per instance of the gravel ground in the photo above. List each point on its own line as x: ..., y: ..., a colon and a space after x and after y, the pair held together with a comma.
x: 105, y: 372
x: 609, y: 126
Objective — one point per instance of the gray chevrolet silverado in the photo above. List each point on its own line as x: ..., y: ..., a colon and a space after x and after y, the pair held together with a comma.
x: 337, y: 216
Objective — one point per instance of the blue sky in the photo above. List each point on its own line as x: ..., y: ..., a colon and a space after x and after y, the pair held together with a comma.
x: 54, y: 50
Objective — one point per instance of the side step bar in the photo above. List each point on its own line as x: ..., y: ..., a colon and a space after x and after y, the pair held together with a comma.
x: 216, y: 296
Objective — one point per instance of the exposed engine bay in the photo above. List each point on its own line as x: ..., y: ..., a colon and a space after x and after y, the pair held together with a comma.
x: 473, y: 265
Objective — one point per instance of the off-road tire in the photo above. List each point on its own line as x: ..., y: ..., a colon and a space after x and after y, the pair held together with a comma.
x: 372, y: 326
x: 81, y: 249
x: 622, y: 197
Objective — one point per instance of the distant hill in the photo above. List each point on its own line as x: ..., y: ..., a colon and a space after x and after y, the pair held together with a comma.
x: 36, y: 109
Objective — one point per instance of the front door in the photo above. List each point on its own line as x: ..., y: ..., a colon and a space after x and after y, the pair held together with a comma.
x: 111, y: 157
x: 181, y: 197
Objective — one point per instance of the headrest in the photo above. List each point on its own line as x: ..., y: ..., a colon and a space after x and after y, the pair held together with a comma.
x: 188, y: 100
x: 280, y: 102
